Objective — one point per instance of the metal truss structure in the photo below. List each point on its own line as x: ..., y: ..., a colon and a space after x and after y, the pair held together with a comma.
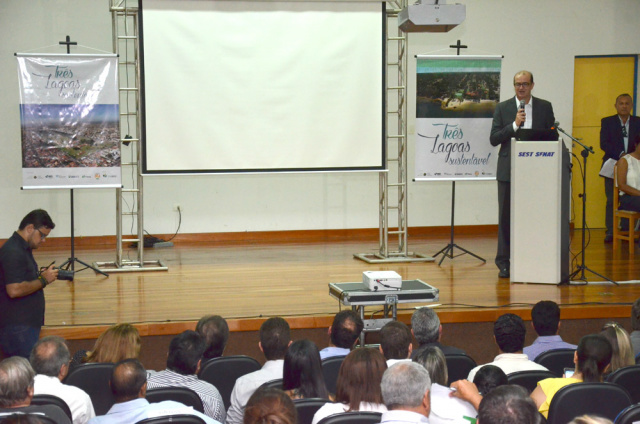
x: 129, y: 198
x: 393, y: 187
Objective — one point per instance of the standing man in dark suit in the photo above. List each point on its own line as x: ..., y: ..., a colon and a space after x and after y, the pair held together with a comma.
x: 523, y: 111
x: 618, y: 134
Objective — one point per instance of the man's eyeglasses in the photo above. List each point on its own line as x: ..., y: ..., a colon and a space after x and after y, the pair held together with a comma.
x: 522, y: 84
x: 42, y: 235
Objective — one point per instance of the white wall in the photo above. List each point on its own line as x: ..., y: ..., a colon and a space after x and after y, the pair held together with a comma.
x: 543, y: 36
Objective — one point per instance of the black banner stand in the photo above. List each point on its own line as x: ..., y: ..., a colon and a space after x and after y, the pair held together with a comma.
x: 447, y: 251
x: 70, y: 263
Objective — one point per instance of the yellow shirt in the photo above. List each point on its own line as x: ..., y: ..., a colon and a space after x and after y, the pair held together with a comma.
x: 550, y: 386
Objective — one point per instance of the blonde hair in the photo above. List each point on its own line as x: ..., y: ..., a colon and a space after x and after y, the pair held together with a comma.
x: 621, y: 344
x: 117, y: 343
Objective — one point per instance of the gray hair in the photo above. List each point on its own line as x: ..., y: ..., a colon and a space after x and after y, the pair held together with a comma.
x: 433, y: 360
x: 16, y: 378
x: 49, y: 355
x: 405, y: 384
x: 426, y: 325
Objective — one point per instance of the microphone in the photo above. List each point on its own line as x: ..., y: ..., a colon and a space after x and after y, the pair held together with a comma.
x: 521, y: 108
x: 577, y: 140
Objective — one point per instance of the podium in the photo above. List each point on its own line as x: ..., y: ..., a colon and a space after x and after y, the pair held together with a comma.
x: 540, y: 215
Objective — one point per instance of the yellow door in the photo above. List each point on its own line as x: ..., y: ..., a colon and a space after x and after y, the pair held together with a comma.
x: 597, y: 83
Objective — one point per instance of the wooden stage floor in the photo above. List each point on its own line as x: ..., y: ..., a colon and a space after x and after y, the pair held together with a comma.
x: 246, y: 281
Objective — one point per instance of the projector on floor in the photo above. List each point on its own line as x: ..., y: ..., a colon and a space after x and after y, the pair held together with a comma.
x: 382, y: 280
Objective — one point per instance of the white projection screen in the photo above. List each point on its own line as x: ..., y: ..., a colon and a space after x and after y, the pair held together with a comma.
x: 262, y: 86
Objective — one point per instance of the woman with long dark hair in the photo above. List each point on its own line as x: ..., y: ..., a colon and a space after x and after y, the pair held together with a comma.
x: 592, y: 360
x: 302, y: 374
x: 358, y: 384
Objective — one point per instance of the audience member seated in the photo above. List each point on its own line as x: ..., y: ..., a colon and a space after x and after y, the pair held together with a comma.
x: 129, y: 388
x: 545, y: 319
x: 215, y: 331
x: 509, y: 332
x: 275, y: 338
x: 16, y: 391
x: 358, y: 386
x: 426, y: 328
x: 628, y: 173
x: 343, y: 334
x: 444, y: 407
x: 508, y: 404
x: 488, y: 378
x: 183, y: 364
x: 117, y: 343
x: 395, y: 342
x: 50, y: 361
x: 302, y: 375
x: 405, y: 389
x: 270, y: 406
x: 635, y: 326
x: 622, y: 355
x: 592, y: 360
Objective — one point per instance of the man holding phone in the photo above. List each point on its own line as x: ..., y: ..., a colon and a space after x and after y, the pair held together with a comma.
x: 22, y: 284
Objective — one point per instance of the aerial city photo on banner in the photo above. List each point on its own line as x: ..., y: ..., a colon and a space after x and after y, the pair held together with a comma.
x: 455, y: 100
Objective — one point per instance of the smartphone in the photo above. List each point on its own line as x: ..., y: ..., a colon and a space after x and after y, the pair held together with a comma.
x: 568, y: 372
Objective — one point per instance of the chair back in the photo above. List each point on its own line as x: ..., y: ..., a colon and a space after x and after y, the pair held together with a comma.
x: 52, y: 400
x: 183, y: 395
x: 46, y: 420
x: 602, y: 399
x: 330, y: 370
x: 529, y: 379
x: 458, y: 366
x: 94, y: 379
x: 629, y: 416
x: 356, y: 417
x: 174, y: 419
x: 272, y: 384
x: 307, y: 408
x: 223, y: 372
x: 556, y: 360
x: 629, y: 378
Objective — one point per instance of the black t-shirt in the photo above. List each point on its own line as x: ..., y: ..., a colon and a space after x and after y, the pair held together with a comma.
x: 17, y: 265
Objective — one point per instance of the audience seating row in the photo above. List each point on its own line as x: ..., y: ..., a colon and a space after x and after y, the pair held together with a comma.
x: 607, y: 399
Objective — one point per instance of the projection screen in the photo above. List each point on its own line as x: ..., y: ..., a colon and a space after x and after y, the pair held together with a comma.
x: 261, y: 86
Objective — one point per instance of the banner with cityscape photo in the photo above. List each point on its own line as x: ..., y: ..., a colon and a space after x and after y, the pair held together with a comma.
x: 70, y: 121
x: 455, y: 100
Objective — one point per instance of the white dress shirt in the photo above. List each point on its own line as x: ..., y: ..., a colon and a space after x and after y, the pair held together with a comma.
x: 398, y: 416
x: 331, y: 408
x: 78, y: 400
x: 510, y: 362
x: 528, y: 111
x: 247, y: 384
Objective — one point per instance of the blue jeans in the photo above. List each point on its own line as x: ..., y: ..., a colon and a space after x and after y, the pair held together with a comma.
x: 18, y: 340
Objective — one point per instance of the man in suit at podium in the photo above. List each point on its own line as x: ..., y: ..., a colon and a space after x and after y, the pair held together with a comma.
x: 522, y: 111
x: 618, y: 134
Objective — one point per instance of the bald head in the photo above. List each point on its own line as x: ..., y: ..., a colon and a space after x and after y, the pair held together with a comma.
x: 50, y: 356
x: 128, y: 380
